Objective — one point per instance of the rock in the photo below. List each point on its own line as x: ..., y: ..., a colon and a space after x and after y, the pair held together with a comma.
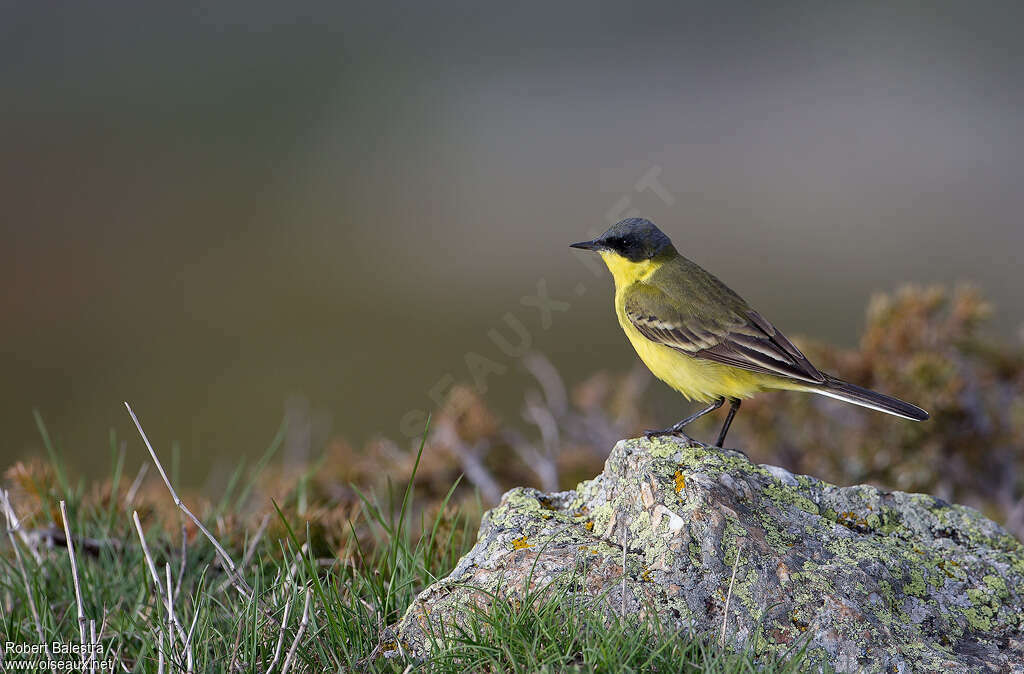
x: 868, y: 580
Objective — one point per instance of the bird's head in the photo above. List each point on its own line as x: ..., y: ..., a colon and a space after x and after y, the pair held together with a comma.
x: 632, y: 249
x: 634, y: 239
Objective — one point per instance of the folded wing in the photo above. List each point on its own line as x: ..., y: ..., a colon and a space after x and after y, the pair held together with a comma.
x: 723, y: 330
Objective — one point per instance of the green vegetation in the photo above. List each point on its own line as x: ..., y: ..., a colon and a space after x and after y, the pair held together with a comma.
x: 549, y: 632
x: 294, y: 604
x: 361, y: 530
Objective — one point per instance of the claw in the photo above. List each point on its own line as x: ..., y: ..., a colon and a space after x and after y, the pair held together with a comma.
x: 666, y: 432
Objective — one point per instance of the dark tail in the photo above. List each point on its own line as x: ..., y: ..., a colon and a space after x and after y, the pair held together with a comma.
x: 837, y: 388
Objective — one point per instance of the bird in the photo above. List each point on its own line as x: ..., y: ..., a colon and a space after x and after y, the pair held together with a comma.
x: 702, y: 339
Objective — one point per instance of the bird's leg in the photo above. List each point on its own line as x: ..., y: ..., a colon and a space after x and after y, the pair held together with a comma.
x: 734, y: 404
x: 676, y: 428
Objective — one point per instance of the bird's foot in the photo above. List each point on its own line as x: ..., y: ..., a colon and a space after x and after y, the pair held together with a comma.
x: 730, y: 449
x: 668, y: 432
x: 675, y: 433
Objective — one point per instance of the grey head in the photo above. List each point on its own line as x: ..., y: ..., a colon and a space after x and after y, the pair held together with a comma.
x: 635, y: 239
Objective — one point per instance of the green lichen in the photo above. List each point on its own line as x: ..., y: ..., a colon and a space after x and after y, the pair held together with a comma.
x: 773, y: 533
x: 784, y: 496
x: 664, y: 448
x: 891, y: 521
x: 917, y: 586
x: 744, y: 589
x: 695, y: 553
x: 887, y: 593
x: 978, y: 597
x: 732, y: 534
x: 977, y: 620
x: 640, y: 524
x: 807, y: 482
x: 997, y: 585
x: 601, y: 515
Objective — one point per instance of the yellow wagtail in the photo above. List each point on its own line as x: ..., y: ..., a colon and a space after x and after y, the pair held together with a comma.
x: 701, y: 338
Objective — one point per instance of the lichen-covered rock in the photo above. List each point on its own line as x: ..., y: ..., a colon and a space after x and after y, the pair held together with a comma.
x: 868, y: 580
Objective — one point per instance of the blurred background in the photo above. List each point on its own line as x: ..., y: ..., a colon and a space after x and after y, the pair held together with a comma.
x: 226, y: 214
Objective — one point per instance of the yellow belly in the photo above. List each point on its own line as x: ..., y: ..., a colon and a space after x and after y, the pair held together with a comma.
x: 695, y: 378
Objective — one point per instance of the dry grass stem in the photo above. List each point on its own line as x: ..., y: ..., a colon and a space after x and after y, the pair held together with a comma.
x: 189, y: 661
x: 728, y: 597
x: 155, y: 576
x: 129, y: 497
x: 13, y: 525
x: 237, y: 580
x: 170, y: 610
x: 160, y: 652
x: 74, y: 574
x: 290, y: 659
x: 251, y: 550
x: 92, y: 642
x: 624, y: 571
x: 280, y: 632
x: 184, y: 557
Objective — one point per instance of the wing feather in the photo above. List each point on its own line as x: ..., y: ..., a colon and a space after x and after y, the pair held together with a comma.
x: 737, y: 335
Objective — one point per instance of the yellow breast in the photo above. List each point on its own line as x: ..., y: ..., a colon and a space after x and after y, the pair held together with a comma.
x: 695, y: 378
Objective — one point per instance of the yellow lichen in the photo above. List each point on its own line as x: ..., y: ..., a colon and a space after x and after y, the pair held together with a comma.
x: 520, y: 543
x: 680, y: 481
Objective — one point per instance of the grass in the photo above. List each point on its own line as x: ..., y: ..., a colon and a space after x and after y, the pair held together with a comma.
x: 145, y: 590
x: 549, y: 629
